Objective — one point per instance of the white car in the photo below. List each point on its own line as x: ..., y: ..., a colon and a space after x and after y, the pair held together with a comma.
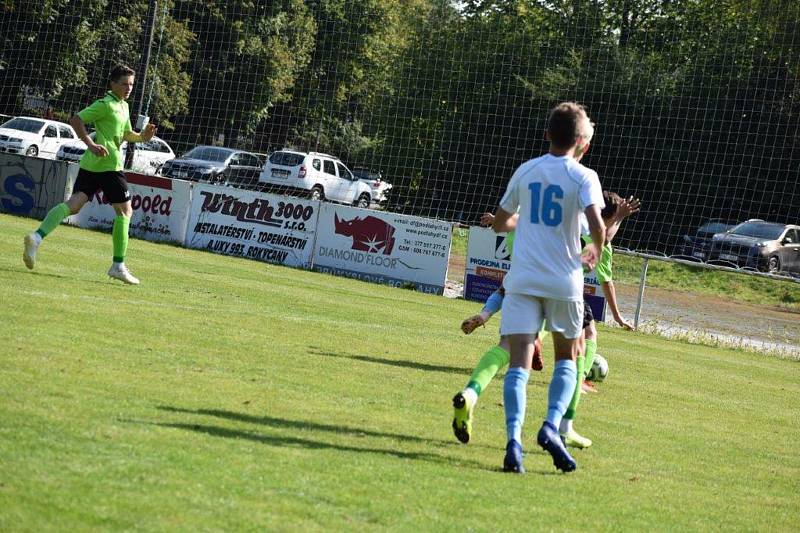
x: 380, y: 188
x: 321, y: 176
x: 147, y: 158
x: 34, y: 137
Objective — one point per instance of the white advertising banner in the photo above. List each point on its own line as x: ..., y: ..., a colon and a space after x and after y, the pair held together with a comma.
x: 488, y: 261
x: 160, y: 209
x: 265, y: 227
x: 380, y: 247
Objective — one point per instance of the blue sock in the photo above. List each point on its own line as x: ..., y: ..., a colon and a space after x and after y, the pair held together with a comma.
x: 562, y: 386
x: 514, y: 399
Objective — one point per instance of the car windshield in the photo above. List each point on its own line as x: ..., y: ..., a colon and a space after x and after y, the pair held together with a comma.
x: 360, y: 173
x: 759, y: 230
x: 24, y: 124
x: 209, y: 153
x: 713, y: 227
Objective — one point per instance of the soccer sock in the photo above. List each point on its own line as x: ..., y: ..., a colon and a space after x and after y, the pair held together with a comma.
x: 492, y: 361
x: 514, y: 399
x: 53, y: 219
x: 119, y: 235
x: 569, y: 415
x: 562, y: 386
x: 591, y: 349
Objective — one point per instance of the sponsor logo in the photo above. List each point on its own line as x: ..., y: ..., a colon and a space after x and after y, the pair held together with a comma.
x: 501, y: 250
x: 155, y: 204
x: 17, y: 196
x: 259, y: 211
x: 369, y: 234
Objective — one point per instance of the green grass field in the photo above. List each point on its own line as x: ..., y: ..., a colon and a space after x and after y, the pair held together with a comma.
x: 230, y: 394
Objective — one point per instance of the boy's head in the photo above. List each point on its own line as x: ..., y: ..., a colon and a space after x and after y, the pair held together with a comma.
x: 568, y: 126
x: 612, y: 201
x: 120, y: 80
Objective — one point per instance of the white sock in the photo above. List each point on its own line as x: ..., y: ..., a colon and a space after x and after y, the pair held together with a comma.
x: 117, y: 265
x: 565, y: 426
x: 470, y: 396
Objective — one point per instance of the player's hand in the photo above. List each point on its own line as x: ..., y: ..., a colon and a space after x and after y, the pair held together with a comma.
x: 98, y: 149
x: 589, y: 257
x: 624, y: 323
x: 471, y: 324
x: 148, y: 132
x: 629, y: 207
x: 487, y: 219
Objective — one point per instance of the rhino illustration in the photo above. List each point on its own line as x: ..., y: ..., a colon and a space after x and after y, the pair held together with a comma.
x: 370, y: 234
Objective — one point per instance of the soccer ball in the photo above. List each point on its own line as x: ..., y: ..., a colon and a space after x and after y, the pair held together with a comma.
x: 599, y: 369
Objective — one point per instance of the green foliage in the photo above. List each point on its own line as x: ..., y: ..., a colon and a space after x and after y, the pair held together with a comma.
x: 226, y: 394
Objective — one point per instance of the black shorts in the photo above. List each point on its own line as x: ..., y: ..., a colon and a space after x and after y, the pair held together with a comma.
x: 112, y: 183
x: 588, y: 317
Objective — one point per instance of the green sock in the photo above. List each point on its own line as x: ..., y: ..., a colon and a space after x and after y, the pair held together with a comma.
x: 492, y: 361
x: 591, y: 349
x: 53, y: 219
x: 576, y: 395
x: 119, y: 235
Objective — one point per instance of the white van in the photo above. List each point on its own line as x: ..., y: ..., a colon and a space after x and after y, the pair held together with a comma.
x: 321, y: 176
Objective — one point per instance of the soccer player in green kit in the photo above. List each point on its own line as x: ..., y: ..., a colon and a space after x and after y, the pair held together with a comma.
x: 101, y: 169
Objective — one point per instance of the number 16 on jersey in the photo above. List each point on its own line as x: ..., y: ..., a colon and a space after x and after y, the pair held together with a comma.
x: 545, y: 208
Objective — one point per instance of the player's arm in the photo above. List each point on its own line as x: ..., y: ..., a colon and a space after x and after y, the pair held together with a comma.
x: 597, y: 229
x: 79, y: 126
x: 611, y: 297
x: 145, y: 135
x: 627, y: 208
x: 504, y: 221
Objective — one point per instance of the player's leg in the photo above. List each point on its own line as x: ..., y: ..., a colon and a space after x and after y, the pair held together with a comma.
x: 572, y: 437
x: 464, y: 402
x: 53, y: 219
x: 522, y: 319
x: 564, y: 320
x: 591, y: 351
x: 116, y: 189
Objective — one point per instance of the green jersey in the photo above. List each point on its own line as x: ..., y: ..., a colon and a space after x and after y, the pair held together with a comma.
x: 111, y: 119
x: 603, y: 269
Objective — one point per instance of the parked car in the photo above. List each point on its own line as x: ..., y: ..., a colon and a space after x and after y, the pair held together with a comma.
x: 766, y: 246
x: 321, y: 176
x: 214, y: 164
x: 380, y: 188
x: 147, y: 157
x: 34, y: 137
x: 698, y: 244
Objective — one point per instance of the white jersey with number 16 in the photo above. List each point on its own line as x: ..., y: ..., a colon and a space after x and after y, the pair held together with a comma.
x: 550, y: 193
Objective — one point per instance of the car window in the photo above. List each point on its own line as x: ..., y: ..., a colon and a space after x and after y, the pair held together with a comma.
x: 317, y: 164
x: 209, y: 153
x: 759, y: 230
x: 794, y: 235
x: 344, y: 173
x: 66, y: 133
x: 237, y: 159
x: 51, y: 131
x: 286, y: 158
x: 328, y: 167
x: 251, y: 160
x: 24, y: 124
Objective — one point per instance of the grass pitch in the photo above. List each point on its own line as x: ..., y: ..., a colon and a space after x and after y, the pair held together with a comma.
x: 230, y: 394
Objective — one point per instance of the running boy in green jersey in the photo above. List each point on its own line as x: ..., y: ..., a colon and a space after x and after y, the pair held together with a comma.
x: 100, y: 169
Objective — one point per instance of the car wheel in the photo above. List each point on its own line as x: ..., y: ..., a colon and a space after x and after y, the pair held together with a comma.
x: 32, y: 151
x: 773, y: 264
x: 317, y: 193
x: 363, y: 201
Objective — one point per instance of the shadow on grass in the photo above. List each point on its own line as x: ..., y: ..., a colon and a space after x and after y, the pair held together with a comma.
x: 24, y: 270
x: 275, y: 440
x: 393, y: 362
x: 300, y: 424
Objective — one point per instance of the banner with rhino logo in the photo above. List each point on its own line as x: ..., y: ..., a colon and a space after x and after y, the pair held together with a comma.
x: 387, y: 248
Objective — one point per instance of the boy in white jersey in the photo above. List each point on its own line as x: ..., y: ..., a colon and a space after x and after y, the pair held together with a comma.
x: 546, y: 277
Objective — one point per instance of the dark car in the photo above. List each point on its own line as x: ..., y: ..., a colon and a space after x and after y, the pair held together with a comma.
x: 214, y: 164
x: 765, y: 246
x: 697, y: 245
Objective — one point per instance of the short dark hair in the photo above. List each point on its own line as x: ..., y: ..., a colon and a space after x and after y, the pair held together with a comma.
x: 567, y: 122
x: 120, y: 71
x: 612, y: 201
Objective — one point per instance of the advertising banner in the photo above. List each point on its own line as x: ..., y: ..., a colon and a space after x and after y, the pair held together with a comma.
x: 265, y: 227
x: 488, y: 261
x: 160, y: 209
x: 594, y: 297
x: 397, y: 250
x: 30, y: 186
